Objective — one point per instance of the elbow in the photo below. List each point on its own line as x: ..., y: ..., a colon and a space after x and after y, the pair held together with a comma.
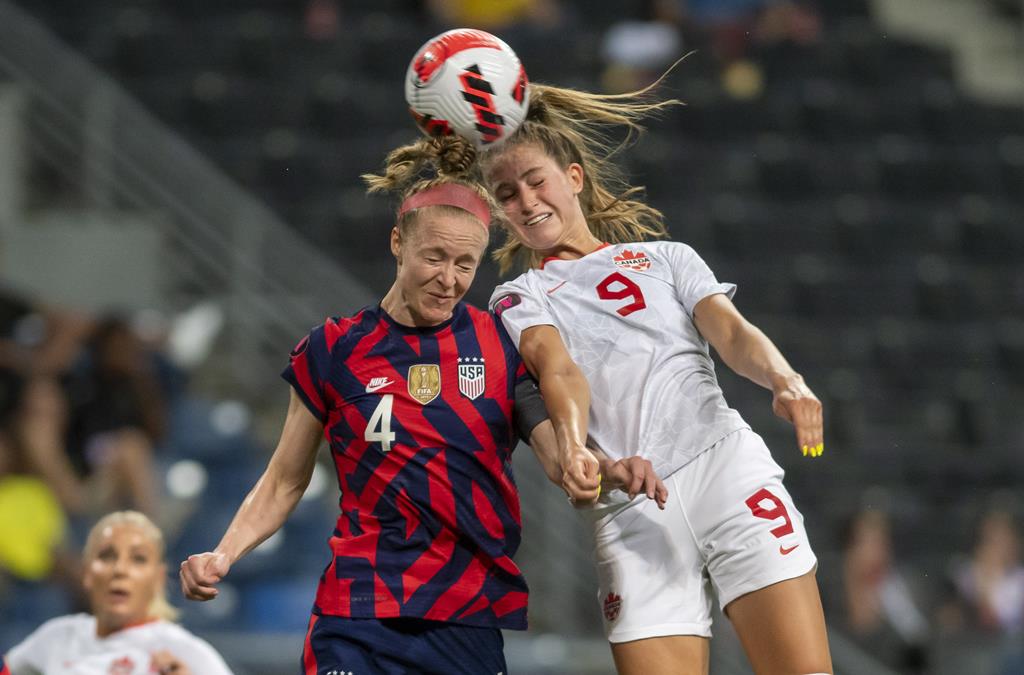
x: 284, y: 488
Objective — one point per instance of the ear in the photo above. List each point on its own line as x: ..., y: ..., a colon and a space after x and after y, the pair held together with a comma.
x: 396, y: 243
x: 574, y: 172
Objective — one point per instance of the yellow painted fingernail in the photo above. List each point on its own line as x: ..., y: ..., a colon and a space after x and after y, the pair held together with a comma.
x: 821, y: 449
x: 805, y: 449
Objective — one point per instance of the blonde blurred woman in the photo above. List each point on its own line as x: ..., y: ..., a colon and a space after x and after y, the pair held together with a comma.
x: 130, y: 629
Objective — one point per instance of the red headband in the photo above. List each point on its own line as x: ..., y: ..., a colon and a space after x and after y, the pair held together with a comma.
x: 450, y: 194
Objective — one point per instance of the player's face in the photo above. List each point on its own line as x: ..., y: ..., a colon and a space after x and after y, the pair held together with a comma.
x: 122, y: 575
x: 540, y: 198
x: 437, y: 261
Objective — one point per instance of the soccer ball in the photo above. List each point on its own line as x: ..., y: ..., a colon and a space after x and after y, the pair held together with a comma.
x: 470, y: 83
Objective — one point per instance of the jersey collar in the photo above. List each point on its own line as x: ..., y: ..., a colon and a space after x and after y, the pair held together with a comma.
x: 422, y: 330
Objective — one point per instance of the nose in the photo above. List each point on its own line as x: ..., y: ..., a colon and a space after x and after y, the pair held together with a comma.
x: 527, y: 201
x: 447, y: 276
x: 120, y: 565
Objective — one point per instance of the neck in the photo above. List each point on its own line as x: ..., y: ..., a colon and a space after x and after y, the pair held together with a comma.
x: 575, y: 246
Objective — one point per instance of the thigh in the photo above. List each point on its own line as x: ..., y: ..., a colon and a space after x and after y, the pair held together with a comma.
x: 782, y: 628
x: 401, y: 646
x: 674, y: 655
x: 745, y: 520
x: 651, y: 580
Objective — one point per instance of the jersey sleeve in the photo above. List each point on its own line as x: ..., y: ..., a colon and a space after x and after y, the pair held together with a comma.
x: 308, y: 370
x: 202, y: 658
x: 28, y: 657
x: 693, y: 279
x: 519, y: 308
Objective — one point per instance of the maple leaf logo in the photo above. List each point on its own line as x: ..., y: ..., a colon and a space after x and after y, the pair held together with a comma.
x: 635, y: 261
x: 612, y: 605
x: 123, y: 666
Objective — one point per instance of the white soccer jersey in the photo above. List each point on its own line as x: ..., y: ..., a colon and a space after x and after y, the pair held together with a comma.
x: 69, y: 645
x: 625, y: 313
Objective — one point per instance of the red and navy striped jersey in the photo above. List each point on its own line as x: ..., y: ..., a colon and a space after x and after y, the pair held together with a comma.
x: 419, y: 422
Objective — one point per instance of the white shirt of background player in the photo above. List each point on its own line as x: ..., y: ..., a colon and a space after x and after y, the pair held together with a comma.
x: 69, y: 645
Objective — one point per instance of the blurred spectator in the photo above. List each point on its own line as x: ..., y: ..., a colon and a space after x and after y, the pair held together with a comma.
x: 879, y: 608
x: 36, y: 338
x: 989, y: 586
x: 118, y: 415
x: 496, y: 15
x: 33, y: 524
x: 639, y: 48
x: 658, y: 32
x: 735, y: 24
x: 322, y: 19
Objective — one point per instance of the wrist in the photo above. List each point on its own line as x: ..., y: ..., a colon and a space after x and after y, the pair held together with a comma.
x: 230, y: 555
x: 784, y: 381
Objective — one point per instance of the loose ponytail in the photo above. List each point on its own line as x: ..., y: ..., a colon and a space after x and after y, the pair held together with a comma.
x: 577, y: 127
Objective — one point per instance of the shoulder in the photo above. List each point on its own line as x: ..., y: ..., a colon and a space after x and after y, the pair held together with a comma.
x: 669, y: 248
x: 479, y: 318
x: 512, y: 290
x: 172, y: 632
x: 674, y: 253
x: 342, y: 329
x: 66, y: 625
x: 172, y: 635
x: 58, y: 631
x: 474, y: 313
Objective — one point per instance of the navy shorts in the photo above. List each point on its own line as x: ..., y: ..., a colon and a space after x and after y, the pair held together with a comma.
x: 342, y: 646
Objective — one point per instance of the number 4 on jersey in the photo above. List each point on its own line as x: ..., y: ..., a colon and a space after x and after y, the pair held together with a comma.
x: 381, y: 418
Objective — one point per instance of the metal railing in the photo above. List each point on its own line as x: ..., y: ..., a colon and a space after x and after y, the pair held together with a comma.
x: 223, y: 243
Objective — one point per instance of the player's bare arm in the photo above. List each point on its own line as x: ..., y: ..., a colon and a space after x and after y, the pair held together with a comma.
x: 267, y: 505
x: 749, y: 352
x: 567, y: 397
x: 633, y: 475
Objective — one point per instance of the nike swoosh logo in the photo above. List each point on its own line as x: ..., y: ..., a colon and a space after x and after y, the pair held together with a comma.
x: 374, y: 386
x: 787, y: 551
x: 552, y: 290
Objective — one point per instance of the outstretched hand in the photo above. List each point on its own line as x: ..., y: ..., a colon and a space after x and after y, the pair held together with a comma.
x: 201, y: 572
x: 796, y: 403
x: 634, y: 475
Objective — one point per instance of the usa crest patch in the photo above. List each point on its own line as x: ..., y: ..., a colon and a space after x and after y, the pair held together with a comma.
x: 637, y: 261
x: 472, y: 376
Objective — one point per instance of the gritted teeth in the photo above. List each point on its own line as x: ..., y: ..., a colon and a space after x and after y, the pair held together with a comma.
x: 537, y: 219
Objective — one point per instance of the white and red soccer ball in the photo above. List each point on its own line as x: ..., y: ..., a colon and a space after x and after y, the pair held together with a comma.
x: 467, y: 82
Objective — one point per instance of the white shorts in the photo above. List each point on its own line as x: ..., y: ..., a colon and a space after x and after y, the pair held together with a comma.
x: 729, y: 523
